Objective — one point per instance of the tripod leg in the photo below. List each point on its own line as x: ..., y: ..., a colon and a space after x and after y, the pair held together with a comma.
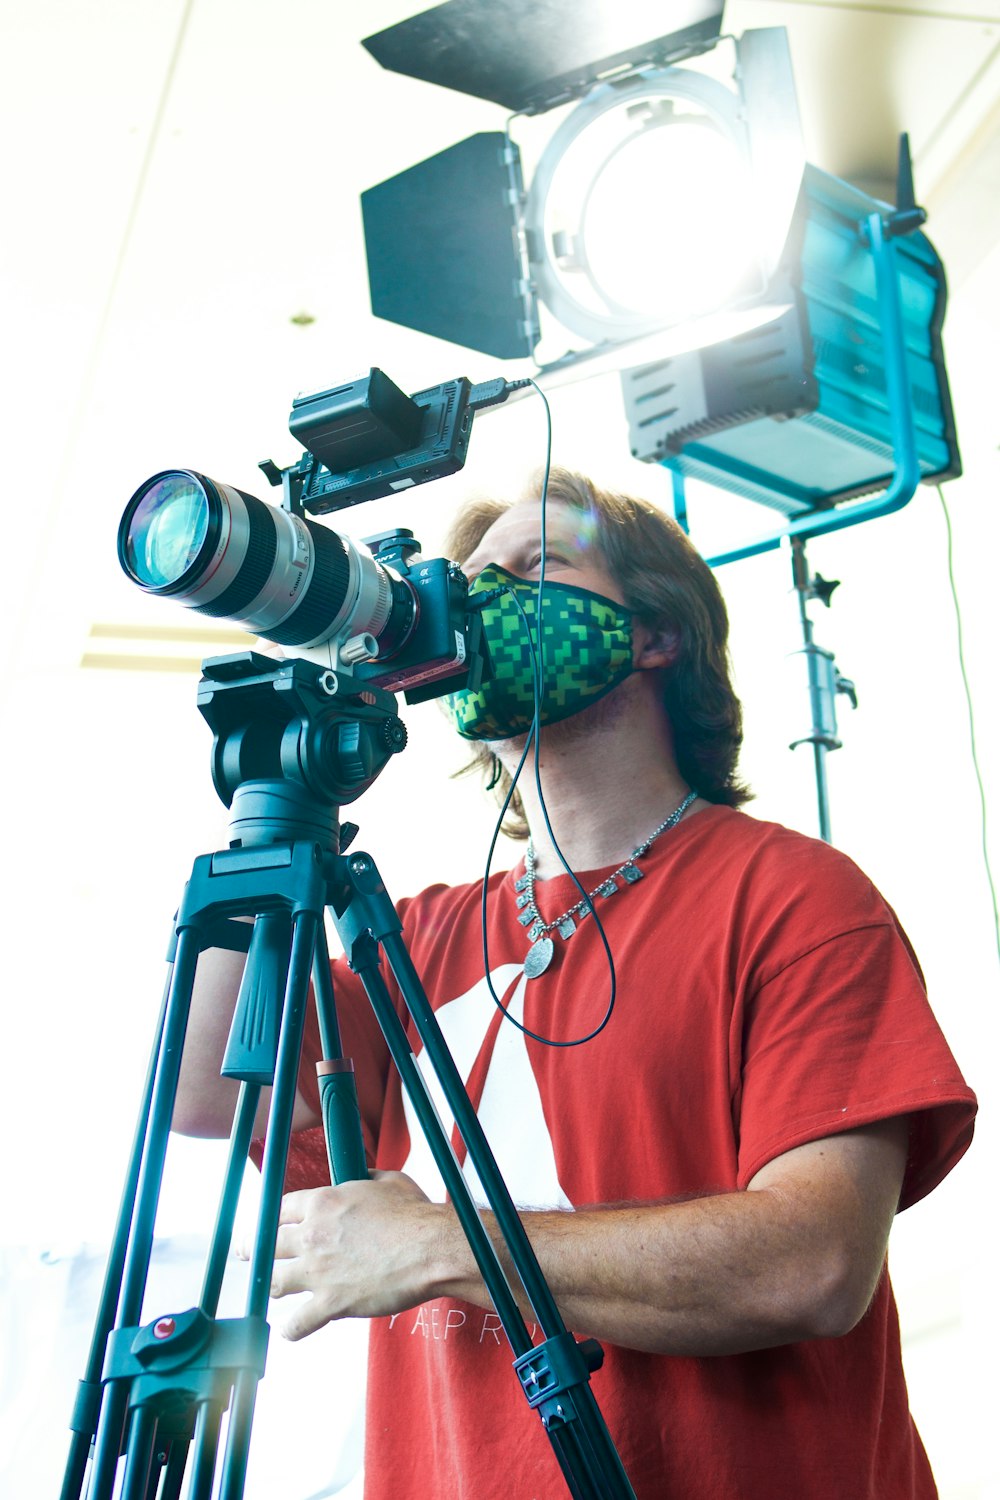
x: 364, y: 959
x: 87, y: 1407
x: 139, y: 1464
x: 570, y: 1414
x: 555, y: 1374
x: 208, y: 1302
x: 279, y: 1132
x: 338, y: 1094
x: 206, y: 1447
x: 239, y: 1147
x: 206, y: 1435
x: 115, y: 1405
x: 173, y: 1477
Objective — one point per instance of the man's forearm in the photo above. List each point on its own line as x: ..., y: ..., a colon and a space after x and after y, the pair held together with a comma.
x: 713, y: 1275
x: 795, y: 1256
x: 707, y: 1277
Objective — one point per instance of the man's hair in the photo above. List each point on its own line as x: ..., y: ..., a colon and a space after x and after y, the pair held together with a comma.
x: 667, y: 584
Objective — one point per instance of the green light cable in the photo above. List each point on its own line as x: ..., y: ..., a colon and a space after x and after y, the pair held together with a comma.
x: 972, y: 720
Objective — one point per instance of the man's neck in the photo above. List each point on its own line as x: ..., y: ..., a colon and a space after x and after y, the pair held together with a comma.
x: 607, y: 783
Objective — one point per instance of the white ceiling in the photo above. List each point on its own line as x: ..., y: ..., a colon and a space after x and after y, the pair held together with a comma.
x: 867, y: 72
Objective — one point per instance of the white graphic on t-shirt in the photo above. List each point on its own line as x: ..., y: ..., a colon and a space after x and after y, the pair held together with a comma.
x: 510, y: 1110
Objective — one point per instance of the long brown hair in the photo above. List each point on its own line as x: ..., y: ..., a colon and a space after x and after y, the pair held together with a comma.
x: 667, y: 584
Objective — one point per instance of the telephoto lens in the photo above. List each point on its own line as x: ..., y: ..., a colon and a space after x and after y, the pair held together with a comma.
x: 224, y: 553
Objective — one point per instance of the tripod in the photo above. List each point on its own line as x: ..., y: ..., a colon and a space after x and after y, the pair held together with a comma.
x: 292, y: 741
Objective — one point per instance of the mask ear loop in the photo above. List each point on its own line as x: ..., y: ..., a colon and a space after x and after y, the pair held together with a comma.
x: 496, y: 770
x: 533, y: 740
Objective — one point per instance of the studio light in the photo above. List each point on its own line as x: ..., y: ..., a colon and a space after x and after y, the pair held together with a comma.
x: 778, y: 329
x: 662, y: 196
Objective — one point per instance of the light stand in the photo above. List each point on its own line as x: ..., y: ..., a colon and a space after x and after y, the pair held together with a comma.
x: 825, y: 681
x: 291, y: 742
x: 911, y: 448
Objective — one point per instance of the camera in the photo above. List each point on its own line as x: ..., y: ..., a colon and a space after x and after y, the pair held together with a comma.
x: 375, y: 609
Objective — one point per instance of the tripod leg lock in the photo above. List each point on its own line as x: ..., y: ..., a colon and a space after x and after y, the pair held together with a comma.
x: 187, y: 1358
x: 86, y: 1407
x: 554, y: 1369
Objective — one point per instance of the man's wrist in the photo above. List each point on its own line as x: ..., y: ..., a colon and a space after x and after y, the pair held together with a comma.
x: 450, y: 1264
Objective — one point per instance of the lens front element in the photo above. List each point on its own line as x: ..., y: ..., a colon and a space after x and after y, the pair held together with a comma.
x: 166, y: 531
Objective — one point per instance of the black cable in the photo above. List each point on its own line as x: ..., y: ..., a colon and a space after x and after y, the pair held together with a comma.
x: 972, y: 720
x: 534, y: 739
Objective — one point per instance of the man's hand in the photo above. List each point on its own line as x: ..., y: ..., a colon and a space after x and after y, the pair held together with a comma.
x: 363, y: 1249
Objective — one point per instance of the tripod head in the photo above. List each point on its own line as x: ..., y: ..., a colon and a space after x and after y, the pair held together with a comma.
x: 293, y: 740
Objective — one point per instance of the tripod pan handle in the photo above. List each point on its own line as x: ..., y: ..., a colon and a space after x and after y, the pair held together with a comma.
x: 338, y: 1097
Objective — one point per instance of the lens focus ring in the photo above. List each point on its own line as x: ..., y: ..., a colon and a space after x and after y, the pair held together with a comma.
x: 262, y: 545
x: 325, y: 596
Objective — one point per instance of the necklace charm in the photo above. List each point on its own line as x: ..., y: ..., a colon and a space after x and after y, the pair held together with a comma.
x: 538, y: 957
x: 542, y: 947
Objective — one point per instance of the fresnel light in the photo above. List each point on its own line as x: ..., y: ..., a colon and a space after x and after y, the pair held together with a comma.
x: 778, y: 330
x: 661, y: 198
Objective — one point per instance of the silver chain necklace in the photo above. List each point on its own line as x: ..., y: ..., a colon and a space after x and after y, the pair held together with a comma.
x: 539, y: 955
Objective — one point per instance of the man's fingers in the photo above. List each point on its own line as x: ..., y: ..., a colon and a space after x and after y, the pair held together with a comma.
x: 292, y: 1211
x: 293, y: 1206
x: 286, y: 1279
x: 286, y: 1243
x: 303, y: 1321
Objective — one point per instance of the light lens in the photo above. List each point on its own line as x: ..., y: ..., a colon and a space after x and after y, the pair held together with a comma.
x: 167, y: 531
x: 667, y: 224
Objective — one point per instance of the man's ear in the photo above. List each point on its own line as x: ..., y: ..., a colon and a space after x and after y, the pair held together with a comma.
x: 655, y: 646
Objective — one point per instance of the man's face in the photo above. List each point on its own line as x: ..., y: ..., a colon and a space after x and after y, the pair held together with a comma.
x: 572, y: 554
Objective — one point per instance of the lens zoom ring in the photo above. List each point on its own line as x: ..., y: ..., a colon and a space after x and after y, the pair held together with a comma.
x: 325, y: 595
x: 255, y: 569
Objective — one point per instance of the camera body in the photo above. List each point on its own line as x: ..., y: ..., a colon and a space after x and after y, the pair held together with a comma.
x: 443, y: 649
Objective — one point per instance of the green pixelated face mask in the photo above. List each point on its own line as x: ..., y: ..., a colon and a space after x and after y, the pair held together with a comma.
x: 586, y: 650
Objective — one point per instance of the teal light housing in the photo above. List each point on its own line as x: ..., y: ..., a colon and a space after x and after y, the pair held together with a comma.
x: 800, y: 415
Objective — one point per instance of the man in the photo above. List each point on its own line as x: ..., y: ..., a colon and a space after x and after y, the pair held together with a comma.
x: 708, y: 1177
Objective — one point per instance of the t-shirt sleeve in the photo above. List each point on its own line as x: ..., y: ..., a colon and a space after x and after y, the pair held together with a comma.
x: 842, y: 1036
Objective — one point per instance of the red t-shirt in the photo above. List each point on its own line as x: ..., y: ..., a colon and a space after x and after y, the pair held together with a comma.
x: 766, y: 998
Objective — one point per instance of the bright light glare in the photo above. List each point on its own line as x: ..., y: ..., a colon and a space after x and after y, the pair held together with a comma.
x: 667, y: 224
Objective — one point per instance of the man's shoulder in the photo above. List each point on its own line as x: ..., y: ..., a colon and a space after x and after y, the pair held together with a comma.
x: 781, y: 865
x: 745, y: 835
x: 443, y: 898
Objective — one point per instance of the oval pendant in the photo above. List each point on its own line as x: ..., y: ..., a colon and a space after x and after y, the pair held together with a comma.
x: 538, y: 957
